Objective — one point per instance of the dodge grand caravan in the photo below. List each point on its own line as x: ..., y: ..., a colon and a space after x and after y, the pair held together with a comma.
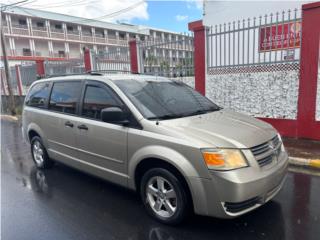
x: 175, y: 147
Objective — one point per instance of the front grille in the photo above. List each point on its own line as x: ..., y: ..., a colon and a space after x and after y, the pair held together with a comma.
x: 265, y: 152
x: 240, y: 206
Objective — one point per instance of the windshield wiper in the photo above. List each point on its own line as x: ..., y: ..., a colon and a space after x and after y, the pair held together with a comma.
x: 166, y: 117
x: 202, y: 111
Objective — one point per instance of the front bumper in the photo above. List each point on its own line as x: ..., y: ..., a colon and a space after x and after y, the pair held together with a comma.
x: 232, y: 193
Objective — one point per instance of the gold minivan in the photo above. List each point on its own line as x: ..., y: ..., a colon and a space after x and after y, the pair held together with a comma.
x: 175, y: 147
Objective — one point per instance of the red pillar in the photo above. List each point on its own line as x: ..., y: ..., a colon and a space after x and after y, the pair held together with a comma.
x: 133, y: 56
x: 199, y: 55
x: 87, y: 60
x: 18, y: 77
x: 308, y: 127
x: 40, y: 68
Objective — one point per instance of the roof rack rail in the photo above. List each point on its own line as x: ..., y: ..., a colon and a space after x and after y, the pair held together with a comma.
x: 101, y: 72
x: 64, y: 75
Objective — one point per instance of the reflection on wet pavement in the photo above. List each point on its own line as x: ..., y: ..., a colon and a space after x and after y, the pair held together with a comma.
x: 62, y: 203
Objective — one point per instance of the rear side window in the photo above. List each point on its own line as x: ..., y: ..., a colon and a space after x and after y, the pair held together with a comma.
x: 97, y: 98
x: 64, y: 97
x: 38, y: 95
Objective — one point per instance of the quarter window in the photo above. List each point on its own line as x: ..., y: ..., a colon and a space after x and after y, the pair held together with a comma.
x: 64, y: 97
x: 97, y: 98
x: 38, y: 95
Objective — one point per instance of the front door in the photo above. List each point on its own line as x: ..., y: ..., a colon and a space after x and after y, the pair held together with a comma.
x: 102, y: 146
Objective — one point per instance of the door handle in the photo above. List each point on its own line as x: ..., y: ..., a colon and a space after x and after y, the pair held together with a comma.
x: 68, y: 124
x: 83, y: 127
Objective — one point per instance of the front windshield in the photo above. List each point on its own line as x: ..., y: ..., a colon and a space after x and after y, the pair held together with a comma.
x: 165, y: 99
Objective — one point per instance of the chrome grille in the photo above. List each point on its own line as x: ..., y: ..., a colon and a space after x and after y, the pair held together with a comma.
x: 265, y: 152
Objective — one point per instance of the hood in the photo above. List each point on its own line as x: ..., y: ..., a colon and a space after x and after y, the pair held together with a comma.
x: 223, y: 128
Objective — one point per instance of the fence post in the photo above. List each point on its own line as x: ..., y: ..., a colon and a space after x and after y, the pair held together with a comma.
x: 308, y: 127
x: 199, y: 55
x: 41, y: 72
x: 18, y: 77
x: 134, y: 61
x: 87, y: 60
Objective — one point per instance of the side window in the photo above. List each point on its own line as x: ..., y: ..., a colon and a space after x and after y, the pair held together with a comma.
x: 38, y: 95
x: 64, y: 96
x: 97, y: 98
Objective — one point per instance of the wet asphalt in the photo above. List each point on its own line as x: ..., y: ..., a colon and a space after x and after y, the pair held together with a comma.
x: 62, y: 203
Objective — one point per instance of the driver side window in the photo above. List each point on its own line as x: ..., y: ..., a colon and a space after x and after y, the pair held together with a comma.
x: 97, y: 98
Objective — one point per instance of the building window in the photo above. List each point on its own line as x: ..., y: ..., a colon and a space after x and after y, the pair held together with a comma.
x: 121, y: 35
x: 70, y: 28
x: 61, y: 53
x: 40, y: 24
x: 26, y: 52
x: 58, y: 26
x: 22, y: 22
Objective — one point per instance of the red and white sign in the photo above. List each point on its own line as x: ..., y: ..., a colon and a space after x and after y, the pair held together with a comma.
x: 281, y: 36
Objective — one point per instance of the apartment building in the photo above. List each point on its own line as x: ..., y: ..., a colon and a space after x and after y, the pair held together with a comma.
x: 35, y: 34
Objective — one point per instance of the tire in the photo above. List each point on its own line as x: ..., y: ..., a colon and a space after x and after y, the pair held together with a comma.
x: 168, y: 206
x: 39, y: 154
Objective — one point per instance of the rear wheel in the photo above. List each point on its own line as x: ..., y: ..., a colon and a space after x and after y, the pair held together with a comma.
x: 39, y: 154
x: 164, y: 196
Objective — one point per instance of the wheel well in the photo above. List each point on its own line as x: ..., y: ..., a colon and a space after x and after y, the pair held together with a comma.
x: 149, y: 163
x: 32, y: 133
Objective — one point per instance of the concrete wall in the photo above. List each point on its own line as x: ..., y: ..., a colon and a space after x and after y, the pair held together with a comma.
x: 262, y: 94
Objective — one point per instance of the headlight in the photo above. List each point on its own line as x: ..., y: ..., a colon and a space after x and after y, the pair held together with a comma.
x: 224, y: 159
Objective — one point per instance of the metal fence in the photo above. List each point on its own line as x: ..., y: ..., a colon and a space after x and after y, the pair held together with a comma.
x: 167, y: 57
x: 267, y: 40
x: 117, y: 60
x: 58, y: 68
x: 28, y: 74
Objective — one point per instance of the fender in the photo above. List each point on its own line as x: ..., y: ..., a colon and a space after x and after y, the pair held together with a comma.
x: 163, y: 153
x: 36, y: 128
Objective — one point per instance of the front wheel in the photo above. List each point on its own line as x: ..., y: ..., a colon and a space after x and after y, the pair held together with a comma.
x: 164, y: 196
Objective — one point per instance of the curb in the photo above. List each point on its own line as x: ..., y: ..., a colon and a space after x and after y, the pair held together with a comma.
x: 314, y: 163
x: 9, y: 117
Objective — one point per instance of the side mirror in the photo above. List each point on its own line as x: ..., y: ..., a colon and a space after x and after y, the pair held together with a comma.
x: 114, y: 115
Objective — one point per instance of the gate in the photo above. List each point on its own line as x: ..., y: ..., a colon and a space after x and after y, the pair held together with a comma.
x: 64, y: 67
x: 117, y: 60
x: 166, y: 57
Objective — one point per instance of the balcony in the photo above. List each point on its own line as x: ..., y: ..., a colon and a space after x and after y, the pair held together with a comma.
x: 57, y: 33
x: 20, y: 30
x: 39, y: 31
x: 73, y: 35
x: 5, y: 29
x: 87, y: 37
x: 100, y: 39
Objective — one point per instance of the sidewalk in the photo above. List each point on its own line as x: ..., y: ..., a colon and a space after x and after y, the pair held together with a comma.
x: 303, y: 152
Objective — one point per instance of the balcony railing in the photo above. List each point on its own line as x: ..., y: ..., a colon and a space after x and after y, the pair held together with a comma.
x: 40, y: 31
x: 20, y: 30
x: 72, y: 36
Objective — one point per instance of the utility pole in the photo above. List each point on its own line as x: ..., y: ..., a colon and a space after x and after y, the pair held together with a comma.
x: 5, y: 58
x: 12, y: 107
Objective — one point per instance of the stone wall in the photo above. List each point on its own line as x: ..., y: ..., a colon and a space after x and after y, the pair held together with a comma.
x: 261, y: 94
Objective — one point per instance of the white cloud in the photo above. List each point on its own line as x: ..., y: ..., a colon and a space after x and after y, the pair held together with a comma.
x: 195, y: 3
x: 181, y: 18
x: 95, y: 8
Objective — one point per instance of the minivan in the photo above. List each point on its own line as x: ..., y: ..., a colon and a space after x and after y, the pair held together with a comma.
x: 180, y: 151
